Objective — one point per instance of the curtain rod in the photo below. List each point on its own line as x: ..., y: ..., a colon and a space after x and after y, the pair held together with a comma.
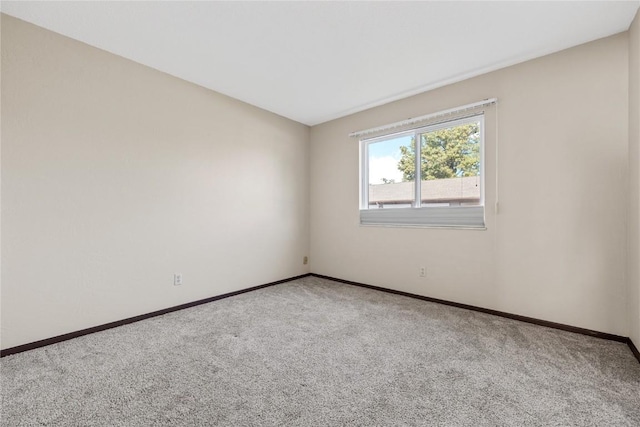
x: 419, y: 119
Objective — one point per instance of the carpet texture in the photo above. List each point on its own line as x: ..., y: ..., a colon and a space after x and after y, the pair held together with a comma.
x: 312, y: 352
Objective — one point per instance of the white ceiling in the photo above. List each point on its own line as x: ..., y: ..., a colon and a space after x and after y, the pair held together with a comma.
x: 316, y: 61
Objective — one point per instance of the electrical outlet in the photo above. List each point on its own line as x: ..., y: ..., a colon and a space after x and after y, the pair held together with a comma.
x: 423, y: 272
x: 177, y: 279
x: 305, y: 260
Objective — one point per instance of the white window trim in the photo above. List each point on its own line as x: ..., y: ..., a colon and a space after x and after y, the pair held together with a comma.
x: 463, y: 217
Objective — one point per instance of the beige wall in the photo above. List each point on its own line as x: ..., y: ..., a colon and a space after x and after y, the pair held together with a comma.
x: 557, y: 248
x: 115, y: 176
x: 634, y: 182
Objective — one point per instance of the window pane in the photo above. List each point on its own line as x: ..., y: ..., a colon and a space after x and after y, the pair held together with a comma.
x: 389, y: 184
x: 450, y: 166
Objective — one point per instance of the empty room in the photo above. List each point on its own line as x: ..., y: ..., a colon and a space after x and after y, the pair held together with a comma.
x: 320, y: 213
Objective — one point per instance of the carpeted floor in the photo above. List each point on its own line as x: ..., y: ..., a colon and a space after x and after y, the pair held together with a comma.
x: 312, y: 352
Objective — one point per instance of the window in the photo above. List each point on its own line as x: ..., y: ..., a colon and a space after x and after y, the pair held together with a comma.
x: 431, y: 176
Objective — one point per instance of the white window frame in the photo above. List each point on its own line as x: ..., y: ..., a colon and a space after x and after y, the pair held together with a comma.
x: 417, y: 215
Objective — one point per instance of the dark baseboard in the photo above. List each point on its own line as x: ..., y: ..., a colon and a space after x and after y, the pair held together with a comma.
x: 546, y: 323
x: 634, y: 349
x: 71, y: 335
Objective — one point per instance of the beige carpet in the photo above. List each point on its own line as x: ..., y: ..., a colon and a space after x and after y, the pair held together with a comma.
x: 317, y: 353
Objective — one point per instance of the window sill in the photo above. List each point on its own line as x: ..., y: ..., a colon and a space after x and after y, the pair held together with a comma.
x: 435, y: 227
